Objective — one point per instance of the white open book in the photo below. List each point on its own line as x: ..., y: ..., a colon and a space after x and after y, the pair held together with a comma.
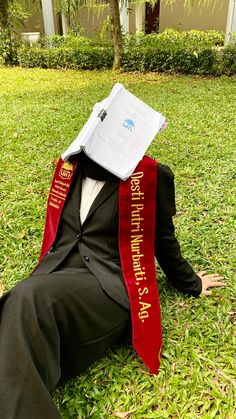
x: 118, y: 132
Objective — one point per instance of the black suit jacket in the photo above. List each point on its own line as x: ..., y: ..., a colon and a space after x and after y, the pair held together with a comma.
x: 94, y: 245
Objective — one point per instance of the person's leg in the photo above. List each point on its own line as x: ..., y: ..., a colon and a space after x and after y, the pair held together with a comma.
x: 29, y: 355
x: 91, y: 330
x: 43, y: 320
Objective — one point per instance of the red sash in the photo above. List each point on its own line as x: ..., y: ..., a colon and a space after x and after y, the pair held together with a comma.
x: 137, y: 216
x: 137, y: 212
x: 61, y: 182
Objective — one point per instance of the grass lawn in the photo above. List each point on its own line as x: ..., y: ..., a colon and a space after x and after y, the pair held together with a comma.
x: 41, y: 113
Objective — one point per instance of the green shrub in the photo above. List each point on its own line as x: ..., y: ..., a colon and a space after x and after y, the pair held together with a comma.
x: 187, y: 52
x: 8, y: 49
x: 87, y: 57
x: 193, y: 38
x: 71, y: 40
x: 229, y: 59
x: 59, y: 40
x: 172, y: 59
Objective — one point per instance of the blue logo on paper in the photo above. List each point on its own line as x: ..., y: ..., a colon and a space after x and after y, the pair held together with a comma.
x: 129, y: 124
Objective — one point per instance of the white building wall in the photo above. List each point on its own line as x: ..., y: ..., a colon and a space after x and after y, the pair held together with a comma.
x: 175, y: 17
x: 204, y: 18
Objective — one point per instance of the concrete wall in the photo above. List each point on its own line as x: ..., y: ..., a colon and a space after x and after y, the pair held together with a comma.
x: 92, y: 20
x: 35, y: 23
x: 178, y: 17
x: 132, y: 18
x: 170, y: 17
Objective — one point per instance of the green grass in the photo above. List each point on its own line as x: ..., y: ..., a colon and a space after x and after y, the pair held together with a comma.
x: 41, y: 111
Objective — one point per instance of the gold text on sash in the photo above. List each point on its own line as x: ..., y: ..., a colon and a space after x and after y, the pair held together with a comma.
x: 136, y: 244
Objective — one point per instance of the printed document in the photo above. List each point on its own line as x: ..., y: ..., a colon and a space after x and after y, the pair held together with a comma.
x: 118, y: 132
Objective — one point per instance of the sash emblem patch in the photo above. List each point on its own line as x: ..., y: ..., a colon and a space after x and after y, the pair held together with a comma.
x: 66, y: 170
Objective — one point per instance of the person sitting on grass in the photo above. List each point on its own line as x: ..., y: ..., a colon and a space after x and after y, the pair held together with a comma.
x: 96, y: 275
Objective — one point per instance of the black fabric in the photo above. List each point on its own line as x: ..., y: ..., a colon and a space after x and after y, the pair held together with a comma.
x: 167, y: 249
x: 52, y: 328
x: 90, y: 168
x: 67, y: 248
x: 75, y: 305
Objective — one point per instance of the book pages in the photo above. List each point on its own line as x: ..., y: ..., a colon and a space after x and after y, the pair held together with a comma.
x: 118, y: 132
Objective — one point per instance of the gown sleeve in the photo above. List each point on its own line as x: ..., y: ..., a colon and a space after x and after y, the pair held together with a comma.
x: 167, y: 249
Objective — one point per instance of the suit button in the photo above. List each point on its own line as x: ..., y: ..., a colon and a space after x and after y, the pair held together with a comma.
x: 78, y: 236
x: 86, y: 258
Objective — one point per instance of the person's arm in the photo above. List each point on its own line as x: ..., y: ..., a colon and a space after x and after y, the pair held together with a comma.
x: 167, y: 249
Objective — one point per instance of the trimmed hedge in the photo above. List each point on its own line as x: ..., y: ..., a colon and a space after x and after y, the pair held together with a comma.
x: 172, y: 37
x: 229, y: 60
x: 182, y: 60
x: 86, y: 58
x: 187, y: 52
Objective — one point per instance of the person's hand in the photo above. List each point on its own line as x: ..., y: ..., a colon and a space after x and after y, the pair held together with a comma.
x: 209, y: 281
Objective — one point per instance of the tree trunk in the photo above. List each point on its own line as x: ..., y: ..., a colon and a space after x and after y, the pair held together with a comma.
x: 69, y: 13
x: 6, y: 32
x: 3, y: 14
x: 117, y: 37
